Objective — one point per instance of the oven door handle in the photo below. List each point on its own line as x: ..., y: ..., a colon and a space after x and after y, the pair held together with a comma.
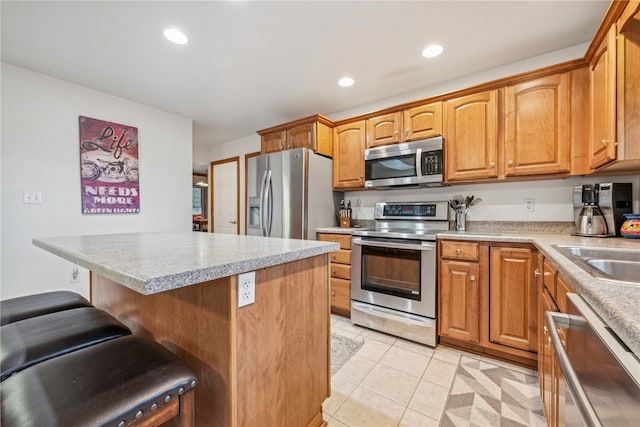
x: 556, y: 320
x: 424, y: 246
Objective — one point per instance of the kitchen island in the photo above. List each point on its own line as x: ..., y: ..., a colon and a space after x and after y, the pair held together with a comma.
x: 263, y: 364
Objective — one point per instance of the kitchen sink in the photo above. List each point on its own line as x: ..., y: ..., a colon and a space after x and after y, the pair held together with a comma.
x: 618, y: 265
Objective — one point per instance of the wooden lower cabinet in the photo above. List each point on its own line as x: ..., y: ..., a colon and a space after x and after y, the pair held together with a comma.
x: 459, y: 308
x: 487, y: 299
x: 550, y: 375
x: 340, y: 269
x: 513, y: 298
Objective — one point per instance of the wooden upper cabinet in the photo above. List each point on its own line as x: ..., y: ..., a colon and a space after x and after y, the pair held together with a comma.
x: 471, y: 137
x: 602, y: 146
x: 348, y: 155
x: 537, y: 126
x: 384, y: 130
x: 423, y: 121
x: 314, y: 132
x: 272, y: 141
x: 513, y: 298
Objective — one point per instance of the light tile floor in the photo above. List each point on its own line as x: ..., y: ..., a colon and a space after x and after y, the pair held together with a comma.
x: 393, y: 382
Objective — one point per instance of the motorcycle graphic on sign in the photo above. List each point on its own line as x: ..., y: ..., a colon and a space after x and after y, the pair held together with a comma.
x: 109, y: 167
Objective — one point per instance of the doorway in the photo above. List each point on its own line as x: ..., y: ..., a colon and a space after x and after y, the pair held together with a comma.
x: 199, y: 201
x: 224, y: 189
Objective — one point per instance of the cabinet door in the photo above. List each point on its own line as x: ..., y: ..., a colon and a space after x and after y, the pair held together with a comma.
x: 274, y: 141
x: 471, y: 137
x: 348, y: 152
x: 384, y: 130
x: 546, y: 361
x: 424, y: 121
x: 302, y: 136
x: 458, y: 317
x: 513, y: 298
x: 602, y: 147
x: 537, y: 126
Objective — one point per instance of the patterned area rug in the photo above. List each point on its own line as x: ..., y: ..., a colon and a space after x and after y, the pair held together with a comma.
x: 488, y: 395
x: 342, y: 348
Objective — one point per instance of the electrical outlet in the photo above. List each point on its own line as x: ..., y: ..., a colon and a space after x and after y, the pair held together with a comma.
x: 246, y: 288
x: 75, y: 275
x: 530, y: 205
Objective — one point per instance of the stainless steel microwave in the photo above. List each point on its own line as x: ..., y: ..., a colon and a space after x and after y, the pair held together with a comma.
x: 415, y: 164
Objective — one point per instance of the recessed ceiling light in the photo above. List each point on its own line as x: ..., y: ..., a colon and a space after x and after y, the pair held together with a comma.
x: 176, y: 36
x: 346, y: 82
x: 432, y: 51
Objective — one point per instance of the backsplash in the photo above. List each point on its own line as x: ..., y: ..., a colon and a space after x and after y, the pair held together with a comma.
x: 501, y: 201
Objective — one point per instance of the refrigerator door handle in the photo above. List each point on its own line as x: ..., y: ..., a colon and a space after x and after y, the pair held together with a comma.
x: 269, y: 203
x: 263, y: 204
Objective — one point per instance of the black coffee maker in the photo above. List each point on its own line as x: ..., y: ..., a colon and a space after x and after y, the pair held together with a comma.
x: 599, y: 208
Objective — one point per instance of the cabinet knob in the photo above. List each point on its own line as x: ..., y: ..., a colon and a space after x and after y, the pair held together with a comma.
x: 333, y: 293
x: 492, y: 165
x: 458, y: 251
x: 536, y: 273
x: 333, y: 257
x: 472, y: 278
x: 361, y: 176
x: 549, y: 340
x: 395, y: 132
x: 407, y: 131
x: 333, y: 271
x: 510, y: 163
x: 605, y: 141
x: 545, y: 330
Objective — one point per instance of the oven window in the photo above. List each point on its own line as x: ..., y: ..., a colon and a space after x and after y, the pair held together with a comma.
x: 396, y: 167
x: 391, y: 271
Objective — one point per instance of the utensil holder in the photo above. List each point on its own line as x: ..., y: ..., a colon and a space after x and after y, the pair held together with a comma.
x: 461, y: 220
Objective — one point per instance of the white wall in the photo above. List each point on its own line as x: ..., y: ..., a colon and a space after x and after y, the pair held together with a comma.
x: 40, y: 152
x: 500, y: 201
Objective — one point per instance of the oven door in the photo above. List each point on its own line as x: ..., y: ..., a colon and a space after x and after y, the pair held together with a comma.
x: 395, y: 274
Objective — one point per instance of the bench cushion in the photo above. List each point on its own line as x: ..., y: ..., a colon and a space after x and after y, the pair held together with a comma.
x: 104, y: 384
x: 34, y: 340
x: 15, y: 309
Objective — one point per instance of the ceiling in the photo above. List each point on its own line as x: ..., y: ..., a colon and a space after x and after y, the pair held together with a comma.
x: 255, y: 64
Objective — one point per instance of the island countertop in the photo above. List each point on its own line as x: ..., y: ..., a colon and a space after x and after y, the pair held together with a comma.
x: 156, y: 262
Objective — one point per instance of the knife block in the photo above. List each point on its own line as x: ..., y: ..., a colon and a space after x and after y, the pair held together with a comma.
x: 345, y: 222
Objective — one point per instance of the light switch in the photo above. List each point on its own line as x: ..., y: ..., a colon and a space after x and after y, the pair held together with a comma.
x: 32, y: 197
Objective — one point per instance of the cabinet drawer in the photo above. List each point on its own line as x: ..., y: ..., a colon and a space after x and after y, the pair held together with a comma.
x: 343, y: 256
x: 343, y: 239
x: 562, y: 289
x: 460, y: 250
x: 549, y: 274
x: 340, y: 296
x: 341, y: 270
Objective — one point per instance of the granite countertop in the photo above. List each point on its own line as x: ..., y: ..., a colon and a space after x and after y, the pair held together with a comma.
x: 155, y: 262
x: 617, y: 303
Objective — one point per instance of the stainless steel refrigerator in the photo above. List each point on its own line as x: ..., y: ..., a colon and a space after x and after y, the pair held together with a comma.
x: 289, y: 194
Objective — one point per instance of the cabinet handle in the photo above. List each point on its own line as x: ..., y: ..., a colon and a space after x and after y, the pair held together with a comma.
x: 548, y: 273
x: 458, y: 251
x: 472, y: 278
x: 510, y: 163
x: 492, y: 165
x: 536, y: 273
x: 605, y: 141
x: 549, y: 340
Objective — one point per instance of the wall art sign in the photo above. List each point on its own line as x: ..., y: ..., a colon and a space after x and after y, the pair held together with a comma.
x: 109, y: 167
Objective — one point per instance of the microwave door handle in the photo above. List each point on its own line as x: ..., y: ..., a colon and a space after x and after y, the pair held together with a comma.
x: 419, y: 164
x: 393, y: 245
x: 556, y: 320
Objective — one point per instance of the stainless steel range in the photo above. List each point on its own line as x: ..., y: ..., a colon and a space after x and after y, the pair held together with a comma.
x: 393, y: 278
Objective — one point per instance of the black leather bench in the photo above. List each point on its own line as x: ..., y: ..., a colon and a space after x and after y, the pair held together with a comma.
x: 15, y: 309
x: 34, y: 340
x: 114, y: 383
